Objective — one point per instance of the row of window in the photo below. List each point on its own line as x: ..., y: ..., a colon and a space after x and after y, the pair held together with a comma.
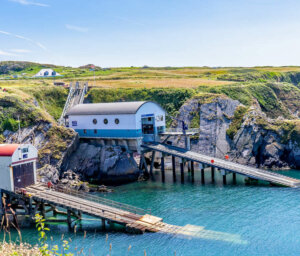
x: 105, y: 121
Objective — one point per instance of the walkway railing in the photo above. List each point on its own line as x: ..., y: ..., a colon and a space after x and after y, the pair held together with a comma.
x: 178, y: 129
x: 104, y: 201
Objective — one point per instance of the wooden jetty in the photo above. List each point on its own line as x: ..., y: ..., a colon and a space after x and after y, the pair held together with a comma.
x: 40, y: 199
x: 215, y: 163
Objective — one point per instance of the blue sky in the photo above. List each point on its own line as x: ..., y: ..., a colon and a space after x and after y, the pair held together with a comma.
x: 156, y: 33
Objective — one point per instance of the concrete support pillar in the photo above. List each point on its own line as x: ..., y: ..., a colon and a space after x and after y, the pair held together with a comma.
x: 162, y: 168
x: 212, y: 174
x: 182, y: 170
x: 234, y: 178
x: 192, y: 170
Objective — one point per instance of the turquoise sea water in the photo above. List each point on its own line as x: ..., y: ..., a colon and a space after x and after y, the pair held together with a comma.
x: 266, y: 219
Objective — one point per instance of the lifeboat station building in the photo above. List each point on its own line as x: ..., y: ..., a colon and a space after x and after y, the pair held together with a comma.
x: 119, y: 123
x: 17, y: 166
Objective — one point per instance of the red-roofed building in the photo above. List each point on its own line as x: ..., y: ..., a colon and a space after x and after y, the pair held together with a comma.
x: 17, y: 166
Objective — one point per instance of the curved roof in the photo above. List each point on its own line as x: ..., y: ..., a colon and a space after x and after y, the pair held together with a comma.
x: 111, y: 108
x: 8, y: 149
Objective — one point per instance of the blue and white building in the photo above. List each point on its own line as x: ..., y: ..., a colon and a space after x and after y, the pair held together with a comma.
x: 138, y: 121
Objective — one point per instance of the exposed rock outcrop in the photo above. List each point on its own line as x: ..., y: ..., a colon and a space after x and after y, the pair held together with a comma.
x: 103, y: 164
x: 258, y: 140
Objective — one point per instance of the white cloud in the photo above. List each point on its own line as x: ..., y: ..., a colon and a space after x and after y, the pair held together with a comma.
x: 76, y: 28
x: 26, y: 2
x: 20, y: 50
x: 3, y: 53
x: 24, y: 38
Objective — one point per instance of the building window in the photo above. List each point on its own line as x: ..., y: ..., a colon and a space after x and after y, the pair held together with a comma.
x: 162, y: 118
x: 24, y: 150
x: 84, y: 131
x: 105, y: 121
x: 95, y: 131
x: 149, y: 119
x: 94, y: 121
x: 117, y: 121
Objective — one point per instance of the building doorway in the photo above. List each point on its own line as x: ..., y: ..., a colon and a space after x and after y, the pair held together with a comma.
x: 148, y: 128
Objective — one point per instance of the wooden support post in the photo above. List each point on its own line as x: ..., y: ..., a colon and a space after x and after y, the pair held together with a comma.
x: 192, y: 169
x: 1, y: 203
x: 145, y: 164
x: 202, y: 176
x: 103, y: 224
x: 141, y: 162
x: 43, y: 211
x: 212, y: 174
x: 182, y: 171
x: 234, y: 178
x: 30, y: 209
x: 69, y: 219
x: 152, y: 163
x: 162, y: 168
x: 174, y: 168
x: 224, y: 180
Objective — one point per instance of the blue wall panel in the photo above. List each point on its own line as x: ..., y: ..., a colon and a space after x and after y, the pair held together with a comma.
x: 90, y: 133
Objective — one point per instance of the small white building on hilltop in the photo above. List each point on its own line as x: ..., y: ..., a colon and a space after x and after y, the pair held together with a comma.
x: 17, y: 166
x: 47, y: 72
x: 139, y: 120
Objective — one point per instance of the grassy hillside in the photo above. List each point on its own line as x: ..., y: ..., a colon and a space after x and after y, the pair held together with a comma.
x: 276, y: 89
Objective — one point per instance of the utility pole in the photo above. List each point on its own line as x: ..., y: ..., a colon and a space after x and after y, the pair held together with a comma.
x: 19, y: 132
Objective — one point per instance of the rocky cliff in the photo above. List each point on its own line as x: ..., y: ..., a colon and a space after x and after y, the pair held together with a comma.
x: 102, y: 164
x: 246, y: 134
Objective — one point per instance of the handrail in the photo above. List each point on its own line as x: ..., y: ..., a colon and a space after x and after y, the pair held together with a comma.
x: 104, y: 201
x: 178, y: 129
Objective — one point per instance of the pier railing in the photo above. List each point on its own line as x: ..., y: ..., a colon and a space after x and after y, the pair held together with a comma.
x: 104, y: 201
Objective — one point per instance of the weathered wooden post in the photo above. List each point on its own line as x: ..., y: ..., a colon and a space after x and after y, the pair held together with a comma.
x: 152, y: 163
x: 103, y: 224
x: 193, y: 170
x: 1, y: 203
x: 174, y: 168
x: 69, y: 219
x: 182, y: 170
x: 162, y: 168
x: 43, y: 211
x: 224, y: 173
x: 212, y: 174
x: 234, y: 178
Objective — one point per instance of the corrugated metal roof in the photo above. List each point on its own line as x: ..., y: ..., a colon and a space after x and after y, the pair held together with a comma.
x: 8, y: 149
x: 111, y: 108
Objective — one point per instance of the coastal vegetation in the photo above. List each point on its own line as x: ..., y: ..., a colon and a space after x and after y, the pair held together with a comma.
x: 274, y: 90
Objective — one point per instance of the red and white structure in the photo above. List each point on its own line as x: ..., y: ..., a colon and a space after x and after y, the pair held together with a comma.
x: 17, y: 166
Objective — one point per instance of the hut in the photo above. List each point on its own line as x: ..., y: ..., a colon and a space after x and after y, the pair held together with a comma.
x: 17, y: 166
x: 118, y: 120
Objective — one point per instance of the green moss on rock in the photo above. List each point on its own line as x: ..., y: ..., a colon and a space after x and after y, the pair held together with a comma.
x: 236, y: 121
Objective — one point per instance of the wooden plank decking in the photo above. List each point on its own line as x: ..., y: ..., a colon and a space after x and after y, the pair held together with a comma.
x: 132, y: 219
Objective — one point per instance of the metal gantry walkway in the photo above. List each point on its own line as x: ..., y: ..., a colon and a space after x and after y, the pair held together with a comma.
x: 255, y: 173
x: 75, y: 96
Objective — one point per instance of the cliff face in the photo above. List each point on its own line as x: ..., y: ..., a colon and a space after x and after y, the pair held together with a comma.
x: 247, y: 135
x: 105, y: 164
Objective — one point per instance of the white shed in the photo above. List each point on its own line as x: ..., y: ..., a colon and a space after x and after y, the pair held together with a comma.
x: 118, y: 120
x: 17, y: 166
x: 47, y: 72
